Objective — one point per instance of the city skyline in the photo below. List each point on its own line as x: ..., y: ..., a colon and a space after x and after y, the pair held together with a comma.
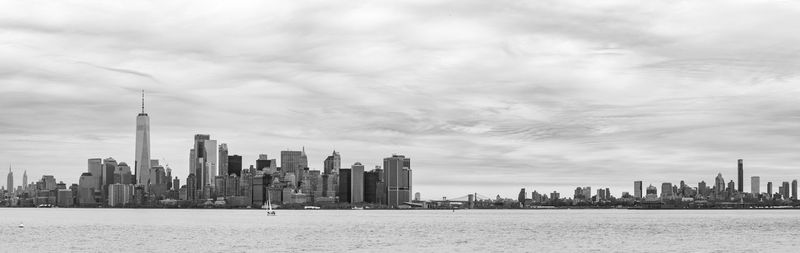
x: 544, y: 96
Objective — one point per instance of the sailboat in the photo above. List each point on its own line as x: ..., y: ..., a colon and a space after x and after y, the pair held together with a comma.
x: 270, y: 212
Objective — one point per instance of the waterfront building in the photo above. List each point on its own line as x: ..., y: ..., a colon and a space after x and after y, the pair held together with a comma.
x: 755, y: 185
x: 345, y: 185
x: 95, y: 167
x: 741, y: 176
x: 769, y: 189
x: 120, y: 194
x: 794, y: 189
x: 702, y: 189
x: 608, y: 194
x: 86, y: 188
x: 142, y: 161
x: 203, y: 160
x: 371, y: 179
x: 398, y: 178
x: 719, y: 183
x: 357, y: 183
x: 637, y: 189
x: 64, y: 198
x: 601, y: 194
x: 555, y: 195
x: 666, y: 191
x: 785, y: 193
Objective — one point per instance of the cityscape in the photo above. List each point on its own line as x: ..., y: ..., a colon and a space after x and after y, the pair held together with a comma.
x: 217, y: 179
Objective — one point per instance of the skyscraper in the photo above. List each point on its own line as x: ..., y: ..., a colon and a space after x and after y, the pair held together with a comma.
x: 637, y: 189
x: 142, y: 162
x: 769, y: 189
x: 203, y: 160
x: 786, y: 191
x: 235, y: 165
x: 357, y: 183
x: 223, y: 160
x: 10, y: 180
x: 25, y: 180
x: 794, y: 189
x: 719, y: 183
x: 398, y: 178
x: 293, y: 162
x: 332, y: 163
x: 345, y: 185
x: 666, y: 191
x: 741, y: 176
x: 755, y: 185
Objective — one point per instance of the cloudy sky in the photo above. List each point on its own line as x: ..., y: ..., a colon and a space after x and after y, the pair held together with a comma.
x: 484, y: 96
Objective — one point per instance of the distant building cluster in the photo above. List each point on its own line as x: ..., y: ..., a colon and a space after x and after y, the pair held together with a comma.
x: 720, y: 194
x: 217, y: 179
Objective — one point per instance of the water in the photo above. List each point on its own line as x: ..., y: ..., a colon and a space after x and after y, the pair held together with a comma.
x: 183, y: 230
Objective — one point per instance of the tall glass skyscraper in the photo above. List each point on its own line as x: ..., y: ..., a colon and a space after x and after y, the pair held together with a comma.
x: 397, y: 175
x: 142, y: 163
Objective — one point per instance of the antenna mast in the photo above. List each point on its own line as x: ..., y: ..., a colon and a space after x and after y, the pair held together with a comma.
x: 142, y: 101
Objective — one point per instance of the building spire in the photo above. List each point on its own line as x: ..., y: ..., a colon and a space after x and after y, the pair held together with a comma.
x: 142, y: 101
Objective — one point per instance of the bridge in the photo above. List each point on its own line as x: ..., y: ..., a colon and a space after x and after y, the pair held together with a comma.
x: 459, y: 202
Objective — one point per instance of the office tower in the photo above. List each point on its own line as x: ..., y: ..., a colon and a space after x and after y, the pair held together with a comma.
x: 741, y: 176
x: 203, y: 160
x: 357, y: 183
x: 141, y: 164
x: 108, y: 168
x: 25, y: 180
x: 176, y: 184
x: 652, y: 192
x: 666, y: 190
x: 211, y: 161
x: 755, y: 185
x: 235, y: 165
x: 587, y: 193
x: 417, y: 196
x: 268, y: 166
x: 49, y: 182
x: 293, y: 162
x: 10, y: 180
x: 794, y: 189
x: 785, y: 193
x: 637, y: 189
x: 719, y: 183
x: 332, y: 163
x: 702, y: 189
x: 223, y: 160
x: 86, y: 188
x: 601, y: 194
x: 769, y: 189
x: 95, y: 167
x: 344, y: 186
x: 608, y: 194
x: 120, y: 194
x: 191, y: 187
x: 398, y: 177
x: 371, y: 179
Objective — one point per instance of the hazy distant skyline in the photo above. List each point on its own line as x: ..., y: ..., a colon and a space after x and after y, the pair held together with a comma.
x: 484, y: 96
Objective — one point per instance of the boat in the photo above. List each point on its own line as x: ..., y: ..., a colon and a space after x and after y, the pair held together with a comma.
x: 358, y: 208
x: 21, y: 225
x: 311, y: 207
x: 270, y: 212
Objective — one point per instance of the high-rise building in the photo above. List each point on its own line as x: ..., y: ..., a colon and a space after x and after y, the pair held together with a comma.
x: 120, y: 194
x: 268, y: 166
x: 108, y: 168
x: 702, y: 189
x: 371, y: 180
x: 332, y: 163
x: 521, y: 196
x: 10, y: 180
x: 293, y: 162
x: 637, y: 189
x: 25, y: 180
x: 786, y: 191
x: 755, y: 185
x: 417, y: 196
x: 666, y: 191
x: 719, y: 183
x: 176, y: 184
x: 741, y: 176
x: 235, y: 165
x: 357, y: 183
x: 344, y: 186
x: 794, y: 189
x: 398, y: 178
x: 142, y: 162
x: 223, y: 160
x: 95, y: 167
x: 203, y: 160
x: 769, y: 189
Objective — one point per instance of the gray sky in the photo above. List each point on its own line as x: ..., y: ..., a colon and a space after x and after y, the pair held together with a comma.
x: 484, y: 96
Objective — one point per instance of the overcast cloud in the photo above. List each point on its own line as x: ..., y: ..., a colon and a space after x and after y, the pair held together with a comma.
x: 484, y: 96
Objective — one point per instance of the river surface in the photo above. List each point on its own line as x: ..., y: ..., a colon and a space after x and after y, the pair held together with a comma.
x: 191, y: 230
